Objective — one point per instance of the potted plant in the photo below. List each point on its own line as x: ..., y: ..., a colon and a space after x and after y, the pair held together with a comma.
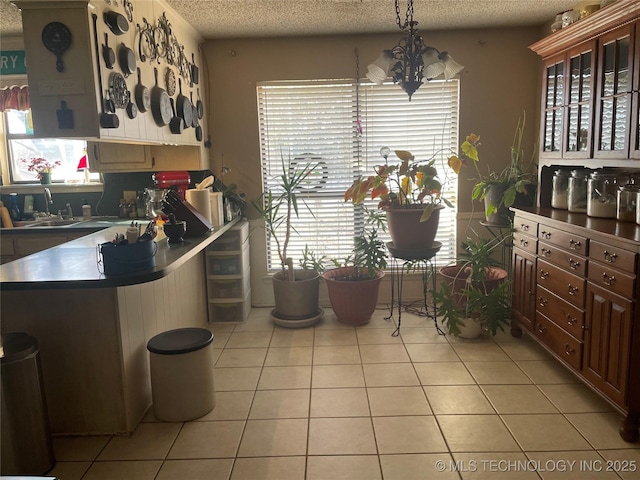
x: 474, y: 294
x: 514, y: 185
x: 295, y: 290
x: 42, y: 167
x: 409, y: 193
x: 353, y: 286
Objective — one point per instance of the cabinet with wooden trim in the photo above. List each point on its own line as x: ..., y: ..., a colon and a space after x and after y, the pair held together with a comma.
x: 586, y: 311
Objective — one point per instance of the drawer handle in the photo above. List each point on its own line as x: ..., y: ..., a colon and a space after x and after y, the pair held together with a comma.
x: 573, y: 264
x: 574, y: 244
x: 524, y: 227
x: 609, y: 257
x: 545, y: 235
x: 523, y: 242
x: 568, y: 350
x: 544, y: 275
x: 543, y: 301
x: 608, y: 280
x: 542, y: 329
x: 572, y: 290
x: 571, y: 320
x: 545, y: 252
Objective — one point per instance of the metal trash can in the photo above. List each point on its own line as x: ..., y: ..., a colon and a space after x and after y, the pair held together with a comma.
x: 26, y: 438
x: 181, y: 362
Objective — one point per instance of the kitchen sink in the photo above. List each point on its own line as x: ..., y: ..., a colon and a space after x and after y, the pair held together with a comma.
x: 52, y: 223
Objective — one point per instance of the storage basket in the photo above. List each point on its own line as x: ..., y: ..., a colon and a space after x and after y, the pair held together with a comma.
x: 120, y: 259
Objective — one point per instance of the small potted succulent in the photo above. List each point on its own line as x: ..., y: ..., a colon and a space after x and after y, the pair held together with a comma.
x: 410, y: 194
x: 42, y: 167
x: 514, y: 185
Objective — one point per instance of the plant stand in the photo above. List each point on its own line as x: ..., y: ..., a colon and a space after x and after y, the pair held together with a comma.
x: 405, y: 260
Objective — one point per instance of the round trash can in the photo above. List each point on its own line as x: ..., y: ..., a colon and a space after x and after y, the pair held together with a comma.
x: 26, y: 438
x: 181, y: 363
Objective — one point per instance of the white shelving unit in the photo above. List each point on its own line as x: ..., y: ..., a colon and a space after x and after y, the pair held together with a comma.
x: 228, y: 276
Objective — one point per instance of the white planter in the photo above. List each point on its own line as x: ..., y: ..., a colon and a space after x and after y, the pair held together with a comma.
x: 472, y: 328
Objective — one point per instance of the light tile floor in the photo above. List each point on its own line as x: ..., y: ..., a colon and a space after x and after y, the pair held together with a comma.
x: 340, y: 402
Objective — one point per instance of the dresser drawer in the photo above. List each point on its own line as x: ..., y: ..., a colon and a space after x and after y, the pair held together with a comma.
x: 617, y: 257
x: 525, y: 242
x: 568, y: 317
x: 568, y: 260
x: 563, y: 344
x: 612, y: 279
x: 566, y: 285
x: 562, y: 239
x: 528, y: 227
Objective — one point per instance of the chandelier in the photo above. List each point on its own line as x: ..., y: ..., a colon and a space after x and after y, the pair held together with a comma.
x: 411, y: 61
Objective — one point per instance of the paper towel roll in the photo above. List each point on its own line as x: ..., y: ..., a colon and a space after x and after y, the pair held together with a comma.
x: 217, y: 209
x: 199, y: 198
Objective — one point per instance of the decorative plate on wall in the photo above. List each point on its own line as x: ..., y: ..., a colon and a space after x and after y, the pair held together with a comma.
x: 170, y: 81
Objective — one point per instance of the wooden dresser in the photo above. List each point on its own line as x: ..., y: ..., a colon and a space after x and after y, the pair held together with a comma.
x: 576, y: 290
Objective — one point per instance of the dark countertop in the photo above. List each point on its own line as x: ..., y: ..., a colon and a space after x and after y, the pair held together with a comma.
x: 75, y: 264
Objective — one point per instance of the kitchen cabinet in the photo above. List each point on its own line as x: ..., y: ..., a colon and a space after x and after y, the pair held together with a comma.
x: 523, y: 266
x: 228, y: 276
x: 94, y: 75
x: 586, y: 308
x: 118, y: 157
x: 18, y: 245
x: 590, y: 89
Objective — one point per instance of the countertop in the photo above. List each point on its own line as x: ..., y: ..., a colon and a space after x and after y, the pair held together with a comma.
x: 75, y: 264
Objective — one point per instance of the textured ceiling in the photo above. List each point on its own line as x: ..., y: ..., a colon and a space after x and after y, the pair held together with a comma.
x: 257, y: 18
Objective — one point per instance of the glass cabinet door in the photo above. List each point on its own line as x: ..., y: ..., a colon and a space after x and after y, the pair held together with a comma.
x: 614, y: 94
x: 553, y: 104
x: 635, y: 101
x: 579, y: 121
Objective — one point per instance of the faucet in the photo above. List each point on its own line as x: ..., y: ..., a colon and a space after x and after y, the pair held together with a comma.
x: 47, y: 201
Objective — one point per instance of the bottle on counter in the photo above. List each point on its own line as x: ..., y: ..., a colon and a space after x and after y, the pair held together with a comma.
x: 14, y: 210
x: 123, y: 209
x: 86, y: 209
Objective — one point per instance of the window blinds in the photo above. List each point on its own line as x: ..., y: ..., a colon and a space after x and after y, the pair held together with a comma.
x: 317, y: 122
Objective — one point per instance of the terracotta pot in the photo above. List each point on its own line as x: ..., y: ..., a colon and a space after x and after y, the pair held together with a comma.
x: 456, y: 277
x: 297, y: 299
x: 352, y: 301
x: 407, y: 231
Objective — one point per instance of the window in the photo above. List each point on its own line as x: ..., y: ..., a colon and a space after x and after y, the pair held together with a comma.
x: 22, y: 145
x: 317, y: 121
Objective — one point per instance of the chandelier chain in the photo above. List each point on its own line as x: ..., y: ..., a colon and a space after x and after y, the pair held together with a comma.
x: 408, y: 19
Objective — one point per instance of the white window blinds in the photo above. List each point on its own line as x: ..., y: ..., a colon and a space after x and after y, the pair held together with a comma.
x: 317, y: 122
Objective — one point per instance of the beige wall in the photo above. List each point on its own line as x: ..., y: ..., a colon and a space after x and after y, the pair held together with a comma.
x: 500, y: 80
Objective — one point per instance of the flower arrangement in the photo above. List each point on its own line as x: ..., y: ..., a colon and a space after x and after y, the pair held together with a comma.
x: 410, y: 182
x: 40, y: 165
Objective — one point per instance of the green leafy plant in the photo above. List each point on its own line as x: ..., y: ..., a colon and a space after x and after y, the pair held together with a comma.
x: 279, y: 208
x: 477, y: 299
x: 409, y: 182
x: 517, y: 177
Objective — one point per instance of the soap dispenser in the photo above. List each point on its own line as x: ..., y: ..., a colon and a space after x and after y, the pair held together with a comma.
x: 14, y: 211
